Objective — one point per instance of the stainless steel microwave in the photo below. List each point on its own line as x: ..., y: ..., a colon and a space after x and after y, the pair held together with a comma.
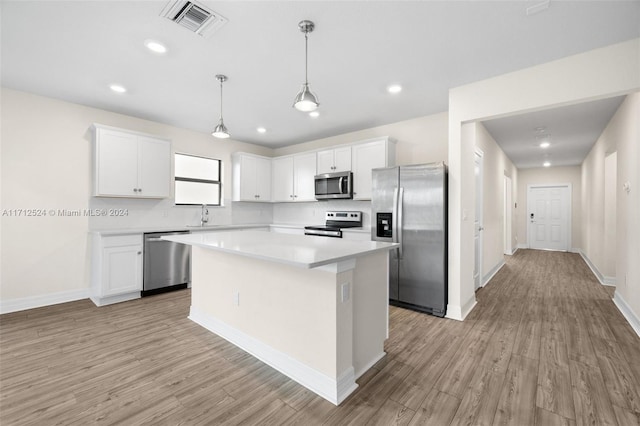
x: 334, y: 185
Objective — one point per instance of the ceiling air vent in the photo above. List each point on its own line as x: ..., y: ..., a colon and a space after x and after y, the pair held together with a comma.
x: 194, y: 17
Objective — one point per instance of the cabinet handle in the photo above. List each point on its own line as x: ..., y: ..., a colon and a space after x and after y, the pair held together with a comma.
x: 139, y: 189
x: 135, y: 189
x: 295, y: 196
x: 139, y: 252
x: 290, y: 196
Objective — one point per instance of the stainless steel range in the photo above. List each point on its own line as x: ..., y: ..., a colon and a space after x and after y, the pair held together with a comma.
x: 334, y: 223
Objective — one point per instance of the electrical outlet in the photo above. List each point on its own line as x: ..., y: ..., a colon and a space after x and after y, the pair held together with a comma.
x: 236, y: 298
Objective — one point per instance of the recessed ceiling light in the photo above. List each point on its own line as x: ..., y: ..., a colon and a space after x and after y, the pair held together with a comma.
x: 261, y: 130
x: 155, y: 47
x: 546, y: 164
x: 544, y: 144
x: 117, y: 88
x: 314, y: 114
x: 394, y: 88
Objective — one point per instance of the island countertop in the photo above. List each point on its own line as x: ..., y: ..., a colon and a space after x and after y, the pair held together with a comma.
x: 303, y: 251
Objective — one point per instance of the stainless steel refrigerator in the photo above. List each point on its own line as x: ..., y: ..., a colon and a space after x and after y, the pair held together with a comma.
x: 409, y: 207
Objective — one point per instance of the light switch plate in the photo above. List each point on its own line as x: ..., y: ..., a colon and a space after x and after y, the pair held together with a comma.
x: 346, y: 292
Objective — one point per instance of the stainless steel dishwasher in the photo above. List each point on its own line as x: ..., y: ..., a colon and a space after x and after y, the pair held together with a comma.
x: 167, y: 265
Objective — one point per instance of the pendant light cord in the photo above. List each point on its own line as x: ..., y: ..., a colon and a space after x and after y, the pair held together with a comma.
x: 220, y: 99
x: 306, y: 66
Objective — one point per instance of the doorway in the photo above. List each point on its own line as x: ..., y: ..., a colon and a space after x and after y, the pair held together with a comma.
x: 508, y: 249
x: 477, y: 226
x: 549, y: 217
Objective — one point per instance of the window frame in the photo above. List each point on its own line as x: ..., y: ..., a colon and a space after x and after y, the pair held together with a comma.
x: 198, y: 180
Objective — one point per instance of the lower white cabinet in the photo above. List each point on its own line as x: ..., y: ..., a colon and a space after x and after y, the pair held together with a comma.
x: 116, y: 270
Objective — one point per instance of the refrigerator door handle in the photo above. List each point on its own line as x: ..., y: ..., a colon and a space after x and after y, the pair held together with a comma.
x: 394, y: 217
x: 399, y: 220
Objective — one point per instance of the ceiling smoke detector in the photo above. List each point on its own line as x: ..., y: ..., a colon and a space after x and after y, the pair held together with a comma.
x: 194, y: 16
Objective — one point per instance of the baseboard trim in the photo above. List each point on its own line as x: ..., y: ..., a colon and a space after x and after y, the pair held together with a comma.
x: 370, y: 364
x: 523, y: 246
x: 24, y: 303
x: 459, y: 313
x: 333, y: 390
x: 492, y: 272
x: 627, y: 312
x: 608, y: 281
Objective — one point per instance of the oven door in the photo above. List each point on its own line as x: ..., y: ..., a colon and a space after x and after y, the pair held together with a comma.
x: 334, y: 185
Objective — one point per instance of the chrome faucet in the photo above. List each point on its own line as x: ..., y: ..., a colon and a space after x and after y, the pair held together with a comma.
x: 204, y: 215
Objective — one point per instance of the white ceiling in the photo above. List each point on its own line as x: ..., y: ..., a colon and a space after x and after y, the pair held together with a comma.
x: 73, y: 50
x: 571, y: 132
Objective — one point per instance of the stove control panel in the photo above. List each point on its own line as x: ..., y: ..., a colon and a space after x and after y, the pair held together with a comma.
x: 343, y: 216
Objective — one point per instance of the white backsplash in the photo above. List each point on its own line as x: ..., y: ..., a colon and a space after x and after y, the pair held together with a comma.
x: 312, y: 213
x: 124, y: 213
x: 141, y: 213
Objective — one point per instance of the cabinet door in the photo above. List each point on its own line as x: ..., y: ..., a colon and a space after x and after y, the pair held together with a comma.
x: 342, y: 159
x: 282, y: 183
x: 367, y: 157
x: 154, y: 173
x: 122, y: 269
x: 325, y: 162
x: 304, y: 172
x: 248, y: 177
x: 116, y: 164
x: 263, y: 179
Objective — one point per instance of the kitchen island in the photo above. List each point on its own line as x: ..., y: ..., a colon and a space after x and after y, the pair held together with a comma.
x: 314, y: 308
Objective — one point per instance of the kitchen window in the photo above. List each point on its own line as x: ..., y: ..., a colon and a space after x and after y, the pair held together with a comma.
x: 197, y: 180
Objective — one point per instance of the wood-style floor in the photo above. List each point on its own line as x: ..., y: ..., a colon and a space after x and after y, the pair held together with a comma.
x: 544, y: 346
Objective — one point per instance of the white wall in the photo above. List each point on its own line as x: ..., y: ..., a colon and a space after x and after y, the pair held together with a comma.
x: 548, y: 175
x: 623, y: 137
x: 496, y: 165
x: 419, y: 140
x: 46, y: 164
x: 604, y: 72
x: 624, y: 127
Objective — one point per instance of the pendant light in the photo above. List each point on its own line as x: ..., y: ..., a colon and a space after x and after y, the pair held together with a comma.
x: 220, y: 130
x: 305, y: 100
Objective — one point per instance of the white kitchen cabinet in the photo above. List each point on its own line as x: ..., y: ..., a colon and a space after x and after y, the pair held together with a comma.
x: 334, y: 160
x: 293, y: 177
x: 366, y: 157
x: 251, y: 178
x: 130, y: 164
x: 116, y: 271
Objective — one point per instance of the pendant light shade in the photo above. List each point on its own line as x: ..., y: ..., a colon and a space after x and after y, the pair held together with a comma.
x: 305, y: 99
x: 220, y: 131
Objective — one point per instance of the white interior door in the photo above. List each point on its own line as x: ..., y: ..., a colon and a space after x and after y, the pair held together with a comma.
x: 477, y: 226
x: 508, y: 249
x: 548, y: 210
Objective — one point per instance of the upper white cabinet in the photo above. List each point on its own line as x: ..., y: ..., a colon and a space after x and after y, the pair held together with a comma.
x: 334, y: 160
x: 130, y: 164
x: 293, y: 177
x: 366, y: 157
x: 251, y: 178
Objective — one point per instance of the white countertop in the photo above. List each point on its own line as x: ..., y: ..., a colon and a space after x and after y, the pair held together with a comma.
x: 210, y: 228
x: 297, y: 250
